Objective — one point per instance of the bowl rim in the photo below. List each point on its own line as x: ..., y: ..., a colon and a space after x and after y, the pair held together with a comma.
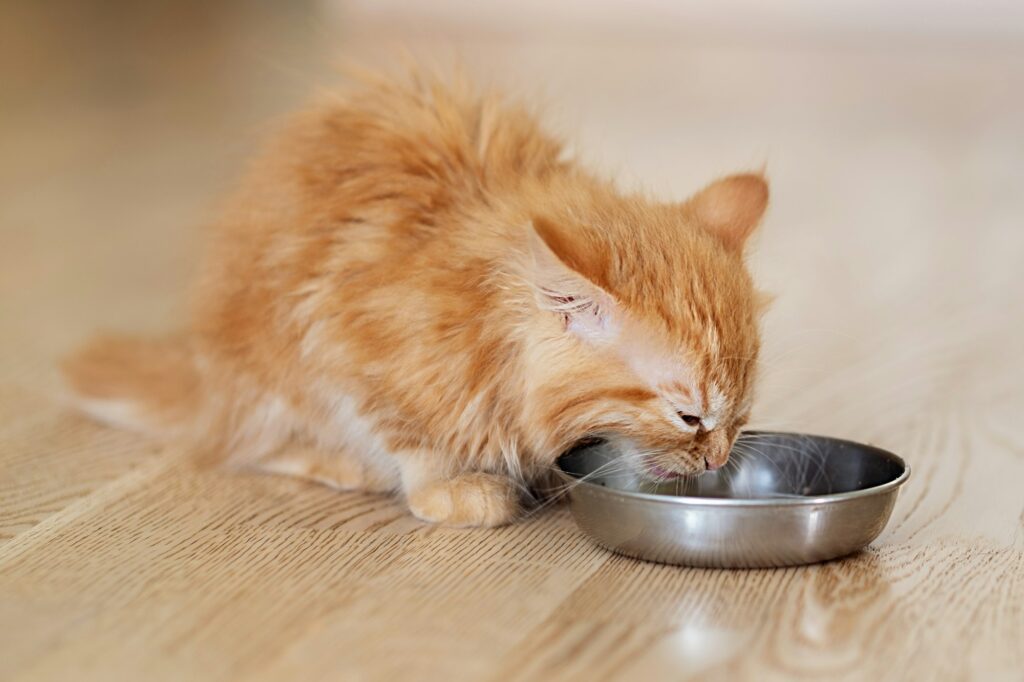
x: 691, y: 501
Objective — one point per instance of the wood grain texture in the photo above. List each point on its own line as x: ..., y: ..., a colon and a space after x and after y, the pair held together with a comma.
x: 894, y: 244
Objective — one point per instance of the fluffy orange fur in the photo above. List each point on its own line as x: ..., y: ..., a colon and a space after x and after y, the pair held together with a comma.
x: 414, y: 290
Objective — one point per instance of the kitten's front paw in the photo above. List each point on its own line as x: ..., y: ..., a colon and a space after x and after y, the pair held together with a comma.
x: 475, y: 499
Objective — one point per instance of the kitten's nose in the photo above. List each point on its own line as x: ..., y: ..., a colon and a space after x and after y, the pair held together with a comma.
x: 716, y: 462
x: 717, y: 453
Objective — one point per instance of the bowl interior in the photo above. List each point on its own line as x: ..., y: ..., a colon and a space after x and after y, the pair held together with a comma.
x: 762, y: 465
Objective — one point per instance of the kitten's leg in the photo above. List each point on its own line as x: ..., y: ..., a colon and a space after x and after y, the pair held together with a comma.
x: 472, y: 498
x: 335, y: 468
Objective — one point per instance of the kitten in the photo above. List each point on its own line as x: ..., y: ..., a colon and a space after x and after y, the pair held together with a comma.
x: 413, y: 290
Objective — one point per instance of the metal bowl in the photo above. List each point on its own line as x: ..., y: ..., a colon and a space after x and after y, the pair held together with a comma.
x: 783, y: 499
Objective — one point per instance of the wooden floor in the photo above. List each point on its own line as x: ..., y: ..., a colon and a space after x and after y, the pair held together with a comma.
x: 895, y: 245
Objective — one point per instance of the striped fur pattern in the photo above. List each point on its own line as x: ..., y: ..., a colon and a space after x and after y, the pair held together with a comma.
x: 414, y: 290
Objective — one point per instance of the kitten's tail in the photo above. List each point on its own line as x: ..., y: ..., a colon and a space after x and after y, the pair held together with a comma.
x: 147, y: 385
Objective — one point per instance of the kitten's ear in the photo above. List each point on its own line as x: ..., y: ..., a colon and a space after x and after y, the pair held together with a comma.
x: 563, y: 277
x: 731, y: 208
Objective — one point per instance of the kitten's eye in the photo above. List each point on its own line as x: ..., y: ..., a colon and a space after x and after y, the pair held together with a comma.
x: 690, y: 419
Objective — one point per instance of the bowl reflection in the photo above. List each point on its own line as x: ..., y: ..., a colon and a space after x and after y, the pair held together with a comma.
x: 783, y: 499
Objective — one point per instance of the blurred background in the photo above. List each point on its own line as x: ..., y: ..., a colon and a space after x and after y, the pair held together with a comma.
x: 892, y: 133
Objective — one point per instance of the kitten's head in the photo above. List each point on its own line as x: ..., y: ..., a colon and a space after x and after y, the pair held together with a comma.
x: 646, y: 332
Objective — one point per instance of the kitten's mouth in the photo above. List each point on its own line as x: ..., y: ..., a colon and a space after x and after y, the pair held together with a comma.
x: 662, y: 472
x: 659, y: 472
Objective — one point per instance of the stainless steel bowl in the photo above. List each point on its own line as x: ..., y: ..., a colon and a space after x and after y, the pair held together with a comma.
x: 783, y: 499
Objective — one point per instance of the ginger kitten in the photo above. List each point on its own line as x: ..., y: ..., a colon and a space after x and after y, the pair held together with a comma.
x: 413, y: 290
